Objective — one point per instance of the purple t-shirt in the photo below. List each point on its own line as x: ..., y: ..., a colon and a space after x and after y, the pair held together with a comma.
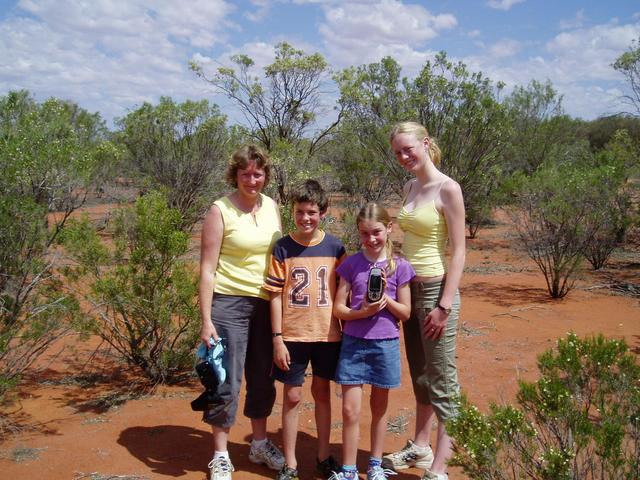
x: 355, y: 270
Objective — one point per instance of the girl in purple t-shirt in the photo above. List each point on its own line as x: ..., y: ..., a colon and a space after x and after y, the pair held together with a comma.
x: 370, y: 352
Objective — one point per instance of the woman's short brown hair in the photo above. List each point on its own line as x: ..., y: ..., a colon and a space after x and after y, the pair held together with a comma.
x: 241, y: 159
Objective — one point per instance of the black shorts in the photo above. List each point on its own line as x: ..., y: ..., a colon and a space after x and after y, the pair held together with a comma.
x: 322, y: 355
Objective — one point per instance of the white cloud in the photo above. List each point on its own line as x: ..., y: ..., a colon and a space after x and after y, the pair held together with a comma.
x: 503, y: 4
x: 588, y: 53
x: 357, y: 33
x: 575, y: 22
x: 107, y: 56
x: 505, y: 48
x: 262, y: 10
x: 577, y: 63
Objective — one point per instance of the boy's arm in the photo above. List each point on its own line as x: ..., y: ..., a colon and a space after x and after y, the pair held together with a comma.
x: 401, y: 308
x: 280, y: 352
x: 345, y: 313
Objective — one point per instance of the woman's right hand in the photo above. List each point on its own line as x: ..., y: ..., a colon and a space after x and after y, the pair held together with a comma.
x: 281, y: 356
x: 207, y: 331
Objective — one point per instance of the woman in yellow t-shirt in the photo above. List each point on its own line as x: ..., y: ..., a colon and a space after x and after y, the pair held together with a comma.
x: 238, y: 234
x: 432, y: 214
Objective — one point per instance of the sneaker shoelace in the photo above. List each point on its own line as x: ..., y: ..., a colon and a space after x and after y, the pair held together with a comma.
x: 380, y: 473
x: 220, y: 465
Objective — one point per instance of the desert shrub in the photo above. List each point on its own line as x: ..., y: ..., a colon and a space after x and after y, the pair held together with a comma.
x: 142, y: 293
x: 460, y: 109
x: 614, y: 211
x: 34, y: 309
x: 180, y: 147
x: 613, y: 218
x: 49, y: 156
x: 580, y: 420
x: 559, y: 212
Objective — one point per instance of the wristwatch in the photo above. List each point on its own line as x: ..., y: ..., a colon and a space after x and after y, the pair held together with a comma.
x: 445, y: 310
x: 276, y: 334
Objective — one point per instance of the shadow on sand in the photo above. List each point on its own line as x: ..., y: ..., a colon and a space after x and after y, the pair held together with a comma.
x: 175, y: 450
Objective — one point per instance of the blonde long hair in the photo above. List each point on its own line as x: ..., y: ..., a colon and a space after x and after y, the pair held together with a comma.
x: 373, y: 212
x: 419, y: 131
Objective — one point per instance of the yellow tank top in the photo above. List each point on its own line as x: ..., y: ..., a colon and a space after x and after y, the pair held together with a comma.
x: 425, y: 239
x: 246, y: 247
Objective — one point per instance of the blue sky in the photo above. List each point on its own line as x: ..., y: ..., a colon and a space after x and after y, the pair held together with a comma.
x: 111, y: 56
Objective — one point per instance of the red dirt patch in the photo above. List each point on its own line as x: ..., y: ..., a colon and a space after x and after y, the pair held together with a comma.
x: 68, y: 430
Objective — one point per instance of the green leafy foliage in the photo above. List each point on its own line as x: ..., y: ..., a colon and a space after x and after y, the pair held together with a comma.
x: 179, y: 147
x: 372, y: 98
x: 50, y: 154
x: 628, y: 64
x: 280, y: 108
x: 614, y: 212
x: 538, y: 125
x: 282, y: 105
x: 143, y: 294
x: 562, y: 209
x: 460, y: 110
x: 579, y: 421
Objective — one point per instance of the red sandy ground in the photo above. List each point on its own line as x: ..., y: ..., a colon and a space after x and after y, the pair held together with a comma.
x: 63, y: 430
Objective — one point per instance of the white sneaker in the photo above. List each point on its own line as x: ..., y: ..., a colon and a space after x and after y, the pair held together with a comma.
x: 379, y: 473
x: 428, y: 475
x: 220, y: 468
x: 410, y: 456
x: 268, y: 454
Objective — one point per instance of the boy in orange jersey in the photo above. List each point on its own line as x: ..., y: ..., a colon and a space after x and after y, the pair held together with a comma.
x: 302, y: 283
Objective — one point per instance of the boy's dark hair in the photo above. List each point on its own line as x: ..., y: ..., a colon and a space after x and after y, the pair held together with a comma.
x: 310, y: 191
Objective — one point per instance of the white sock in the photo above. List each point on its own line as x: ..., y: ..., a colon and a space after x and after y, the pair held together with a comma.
x: 224, y: 454
x: 259, y: 443
x: 421, y: 448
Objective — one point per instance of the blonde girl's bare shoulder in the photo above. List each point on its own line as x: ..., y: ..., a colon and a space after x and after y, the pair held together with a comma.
x: 407, y: 186
x: 450, y: 186
x: 451, y: 193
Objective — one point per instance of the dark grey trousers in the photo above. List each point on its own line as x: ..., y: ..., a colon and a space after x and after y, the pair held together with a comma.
x: 244, y: 324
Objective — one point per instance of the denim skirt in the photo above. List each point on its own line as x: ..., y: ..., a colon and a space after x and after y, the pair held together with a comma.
x: 369, y: 361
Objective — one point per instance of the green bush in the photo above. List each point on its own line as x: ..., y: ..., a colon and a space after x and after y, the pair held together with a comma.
x: 580, y: 420
x: 143, y: 294
x: 614, y: 210
x: 562, y: 209
x: 34, y: 309
x: 179, y: 147
x: 50, y: 153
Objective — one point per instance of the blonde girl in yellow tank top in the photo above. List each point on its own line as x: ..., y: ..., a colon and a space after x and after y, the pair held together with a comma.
x: 432, y: 215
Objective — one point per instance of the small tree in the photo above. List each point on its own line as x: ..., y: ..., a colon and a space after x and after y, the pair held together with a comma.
x: 538, y: 124
x: 459, y: 108
x: 613, y: 212
x: 143, y: 294
x: 628, y: 64
x: 281, y: 108
x: 178, y: 147
x: 34, y: 309
x: 372, y: 98
x: 556, y: 213
x: 49, y: 155
x: 580, y: 420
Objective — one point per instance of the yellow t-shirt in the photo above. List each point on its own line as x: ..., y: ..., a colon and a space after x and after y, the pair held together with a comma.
x: 425, y: 239
x: 246, y: 246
